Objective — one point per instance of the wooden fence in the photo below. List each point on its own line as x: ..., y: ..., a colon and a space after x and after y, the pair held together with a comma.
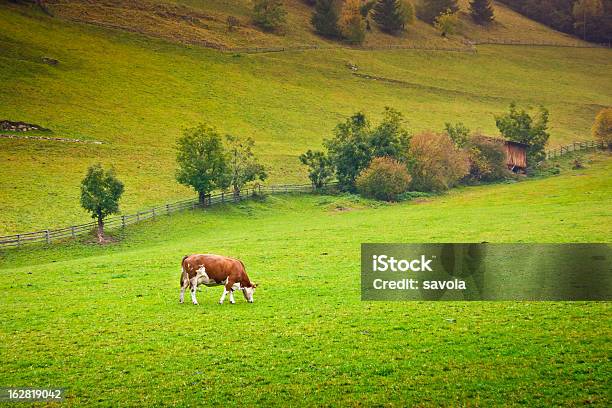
x: 50, y: 235
x: 574, y: 147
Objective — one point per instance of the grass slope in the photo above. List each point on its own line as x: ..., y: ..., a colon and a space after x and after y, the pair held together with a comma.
x: 104, y: 322
x: 136, y: 94
x: 204, y: 23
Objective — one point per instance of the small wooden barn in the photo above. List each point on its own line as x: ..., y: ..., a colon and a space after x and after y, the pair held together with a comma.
x: 516, y: 155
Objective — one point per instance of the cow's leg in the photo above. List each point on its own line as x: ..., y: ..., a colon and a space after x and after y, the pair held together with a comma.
x: 184, y: 285
x: 223, y: 296
x: 194, y: 287
x: 227, y: 289
x: 232, y: 301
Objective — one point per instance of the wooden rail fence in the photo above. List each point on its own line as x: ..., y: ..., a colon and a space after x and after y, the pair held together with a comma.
x: 574, y: 147
x: 50, y: 235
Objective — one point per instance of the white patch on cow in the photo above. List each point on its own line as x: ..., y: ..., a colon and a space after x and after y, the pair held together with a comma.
x: 223, y: 296
x: 203, y: 278
x: 194, y: 287
x: 248, y: 294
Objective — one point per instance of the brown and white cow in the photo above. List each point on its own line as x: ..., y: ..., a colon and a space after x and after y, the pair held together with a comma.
x: 215, y: 270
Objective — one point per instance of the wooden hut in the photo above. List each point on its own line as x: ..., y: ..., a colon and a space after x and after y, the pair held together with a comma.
x: 516, y: 155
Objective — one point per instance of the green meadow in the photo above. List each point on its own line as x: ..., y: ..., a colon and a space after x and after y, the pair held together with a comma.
x: 104, y: 321
x: 136, y: 94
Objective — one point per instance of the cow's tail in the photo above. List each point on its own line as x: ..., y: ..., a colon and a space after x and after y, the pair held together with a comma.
x: 184, y: 276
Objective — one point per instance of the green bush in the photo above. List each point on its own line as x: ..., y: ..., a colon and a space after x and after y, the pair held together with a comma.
x: 325, y: 18
x: 384, y: 179
x: 270, y: 15
x: 436, y: 164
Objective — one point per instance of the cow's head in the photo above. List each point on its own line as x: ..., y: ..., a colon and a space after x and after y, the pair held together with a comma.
x: 248, y: 292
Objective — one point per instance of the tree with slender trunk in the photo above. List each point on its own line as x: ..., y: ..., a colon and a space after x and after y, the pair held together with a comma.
x: 201, y: 161
x: 242, y: 165
x: 100, y: 194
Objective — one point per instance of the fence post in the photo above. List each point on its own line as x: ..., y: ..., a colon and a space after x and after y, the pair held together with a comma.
x: 167, y: 208
x: 73, y: 232
x: 138, y: 216
x: 47, y: 236
x: 123, y: 221
x: 18, y: 239
x: 222, y: 197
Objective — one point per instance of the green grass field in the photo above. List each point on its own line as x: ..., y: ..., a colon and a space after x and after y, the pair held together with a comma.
x: 104, y: 321
x: 136, y: 94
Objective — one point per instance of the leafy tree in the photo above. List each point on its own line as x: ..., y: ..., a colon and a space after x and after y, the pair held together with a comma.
x: 584, y: 12
x: 447, y: 23
x: 242, y: 165
x: 352, y: 24
x: 320, y: 168
x: 520, y: 126
x: 201, y: 161
x: 482, y: 11
x: 100, y: 194
x: 390, y: 138
x: 355, y: 144
x: 436, y: 163
x: 393, y: 15
x: 325, y: 18
x: 602, y: 128
x: 270, y: 15
x: 350, y: 149
x: 384, y: 179
x: 429, y: 10
x: 459, y: 133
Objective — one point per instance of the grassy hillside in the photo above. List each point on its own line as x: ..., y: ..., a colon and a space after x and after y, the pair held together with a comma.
x: 104, y: 321
x: 204, y: 23
x: 136, y: 94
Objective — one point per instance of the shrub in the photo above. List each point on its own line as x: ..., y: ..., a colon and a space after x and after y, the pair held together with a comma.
x: 232, y: 23
x: 325, y: 18
x: 270, y: 15
x: 429, y: 10
x: 436, y: 164
x: 520, y: 126
x: 487, y: 159
x: 384, y: 179
x: 447, y: 23
x: 393, y: 15
x: 602, y: 128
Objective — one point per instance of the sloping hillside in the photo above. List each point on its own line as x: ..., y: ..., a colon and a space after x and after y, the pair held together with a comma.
x: 204, y: 23
x: 136, y: 94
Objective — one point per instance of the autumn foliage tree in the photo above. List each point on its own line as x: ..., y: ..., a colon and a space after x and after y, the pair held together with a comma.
x: 384, y: 179
x: 351, y: 23
x: 436, y: 164
x: 602, y: 128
